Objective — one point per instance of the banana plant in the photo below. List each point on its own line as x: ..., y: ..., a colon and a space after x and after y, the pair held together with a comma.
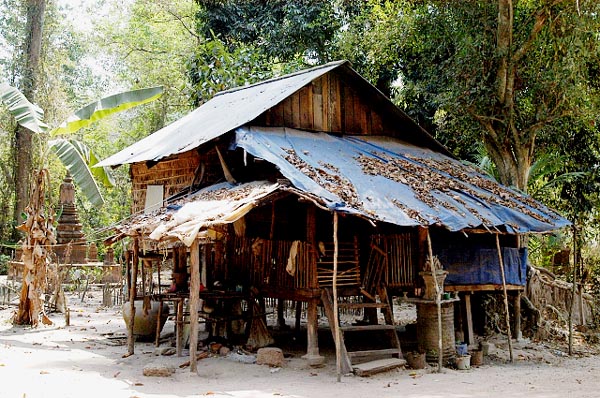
x: 75, y: 155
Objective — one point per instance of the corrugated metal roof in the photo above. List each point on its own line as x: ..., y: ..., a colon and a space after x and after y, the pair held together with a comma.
x: 389, y: 180
x: 224, y: 112
x: 231, y: 109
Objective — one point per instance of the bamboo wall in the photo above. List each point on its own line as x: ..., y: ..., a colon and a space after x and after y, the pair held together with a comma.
x: 401, y: 270
x: 262, y: 263
x: 175, y: 173
x: 328, y: 104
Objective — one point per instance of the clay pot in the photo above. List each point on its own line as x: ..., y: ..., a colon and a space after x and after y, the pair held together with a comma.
x: 477, y: 357
x: 416, y: 360
x: 144, y: 327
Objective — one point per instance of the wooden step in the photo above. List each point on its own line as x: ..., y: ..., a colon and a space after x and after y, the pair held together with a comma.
x: 372, y: 353
x: 361, y: 305
x: 366, y: 328
x: 377, y: 366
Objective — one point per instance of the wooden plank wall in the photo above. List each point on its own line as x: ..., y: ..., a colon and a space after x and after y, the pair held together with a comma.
x: 327, y: 104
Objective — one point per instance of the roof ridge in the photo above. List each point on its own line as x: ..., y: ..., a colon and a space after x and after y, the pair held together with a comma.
x: 274, y: 79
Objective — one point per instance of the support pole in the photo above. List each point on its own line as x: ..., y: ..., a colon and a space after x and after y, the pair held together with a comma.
x: 501, y: 261
x: 338, y: 349
x: 132, y: 294
x: 438, y: 303
x: 574, y: 288
x: 517, y: 306
x: 194, y: 301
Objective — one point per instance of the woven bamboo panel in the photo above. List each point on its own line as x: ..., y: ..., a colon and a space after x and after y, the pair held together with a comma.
x: 401, y: 270
x: 263, y: 262
x: 347, y: 264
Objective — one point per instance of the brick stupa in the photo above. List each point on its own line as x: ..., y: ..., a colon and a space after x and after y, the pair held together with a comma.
x: 69, y: 229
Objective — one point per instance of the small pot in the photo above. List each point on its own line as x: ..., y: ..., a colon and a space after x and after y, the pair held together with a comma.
x: 477, y: 357
x: 416, y: 360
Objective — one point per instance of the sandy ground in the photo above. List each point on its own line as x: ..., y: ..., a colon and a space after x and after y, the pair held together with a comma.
x: 86, y: 359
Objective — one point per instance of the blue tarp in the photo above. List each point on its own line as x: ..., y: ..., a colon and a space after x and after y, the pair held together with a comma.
x: 480, y: 266
x: 388, y: 180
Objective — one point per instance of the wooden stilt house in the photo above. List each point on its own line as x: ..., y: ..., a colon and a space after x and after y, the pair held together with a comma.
x: 251, y: 182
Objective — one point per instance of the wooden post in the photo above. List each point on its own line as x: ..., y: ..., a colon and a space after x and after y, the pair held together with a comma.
x: 298, y: 316
x: 312, y: 350
x: 574, y: 287
x: 517, y: 306
x: 501, y: 261
x: 438, y: 302
x: 469, y: 315
x: 338, y: 353
x: 132, y: 294
x: 179, y: 326
x: 194, y: 301
x: 280, y: 314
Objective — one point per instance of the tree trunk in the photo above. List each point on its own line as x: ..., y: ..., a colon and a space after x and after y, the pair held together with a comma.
x: 23, y: 137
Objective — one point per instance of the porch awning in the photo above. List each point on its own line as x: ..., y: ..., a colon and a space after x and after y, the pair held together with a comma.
x: 388, y: 180
x: 191, y: 216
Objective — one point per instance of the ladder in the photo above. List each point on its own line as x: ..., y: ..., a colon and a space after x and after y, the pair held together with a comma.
x: 364, y: 362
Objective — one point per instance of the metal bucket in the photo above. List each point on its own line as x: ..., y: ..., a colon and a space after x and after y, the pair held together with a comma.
x: 427, y: 331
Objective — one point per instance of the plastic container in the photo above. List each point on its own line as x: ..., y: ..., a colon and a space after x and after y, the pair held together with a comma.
x: 461, y: 349
x: 463, y: 362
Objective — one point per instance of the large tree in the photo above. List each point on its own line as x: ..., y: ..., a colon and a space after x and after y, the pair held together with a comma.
x: 32, y: 49
x: 507, y: 73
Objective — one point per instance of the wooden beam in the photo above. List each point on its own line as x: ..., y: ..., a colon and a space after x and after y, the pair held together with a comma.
x: 481, y: 288
x: 194, y: 301
x: 132, y: 295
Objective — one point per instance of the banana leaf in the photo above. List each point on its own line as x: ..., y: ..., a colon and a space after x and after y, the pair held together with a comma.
x: 106, y: 107
x: 27, y: 114
x: 69, y: 154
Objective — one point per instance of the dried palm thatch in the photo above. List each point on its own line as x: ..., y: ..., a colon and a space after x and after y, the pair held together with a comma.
x: 40, y: 236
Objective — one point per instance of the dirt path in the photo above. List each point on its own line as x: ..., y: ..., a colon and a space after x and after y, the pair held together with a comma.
x: 85, y: 360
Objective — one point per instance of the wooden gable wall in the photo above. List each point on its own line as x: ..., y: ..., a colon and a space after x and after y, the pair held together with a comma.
x: 328, y: 104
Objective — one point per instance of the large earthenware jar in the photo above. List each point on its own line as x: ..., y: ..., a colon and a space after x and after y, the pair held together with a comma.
x: 144, y: 326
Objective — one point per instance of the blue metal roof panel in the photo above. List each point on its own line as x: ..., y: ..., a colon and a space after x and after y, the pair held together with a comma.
x: 388, y: 180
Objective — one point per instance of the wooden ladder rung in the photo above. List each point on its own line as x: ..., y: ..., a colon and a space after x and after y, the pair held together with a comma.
x: 366, y: 328
x: 372, y: 353
x: 362, y: 305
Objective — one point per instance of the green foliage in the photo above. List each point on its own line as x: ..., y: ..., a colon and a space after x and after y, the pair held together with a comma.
x: 282, y: 30
x: 4, y: 259
x: 25, y: 113
x: 213, y: 68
